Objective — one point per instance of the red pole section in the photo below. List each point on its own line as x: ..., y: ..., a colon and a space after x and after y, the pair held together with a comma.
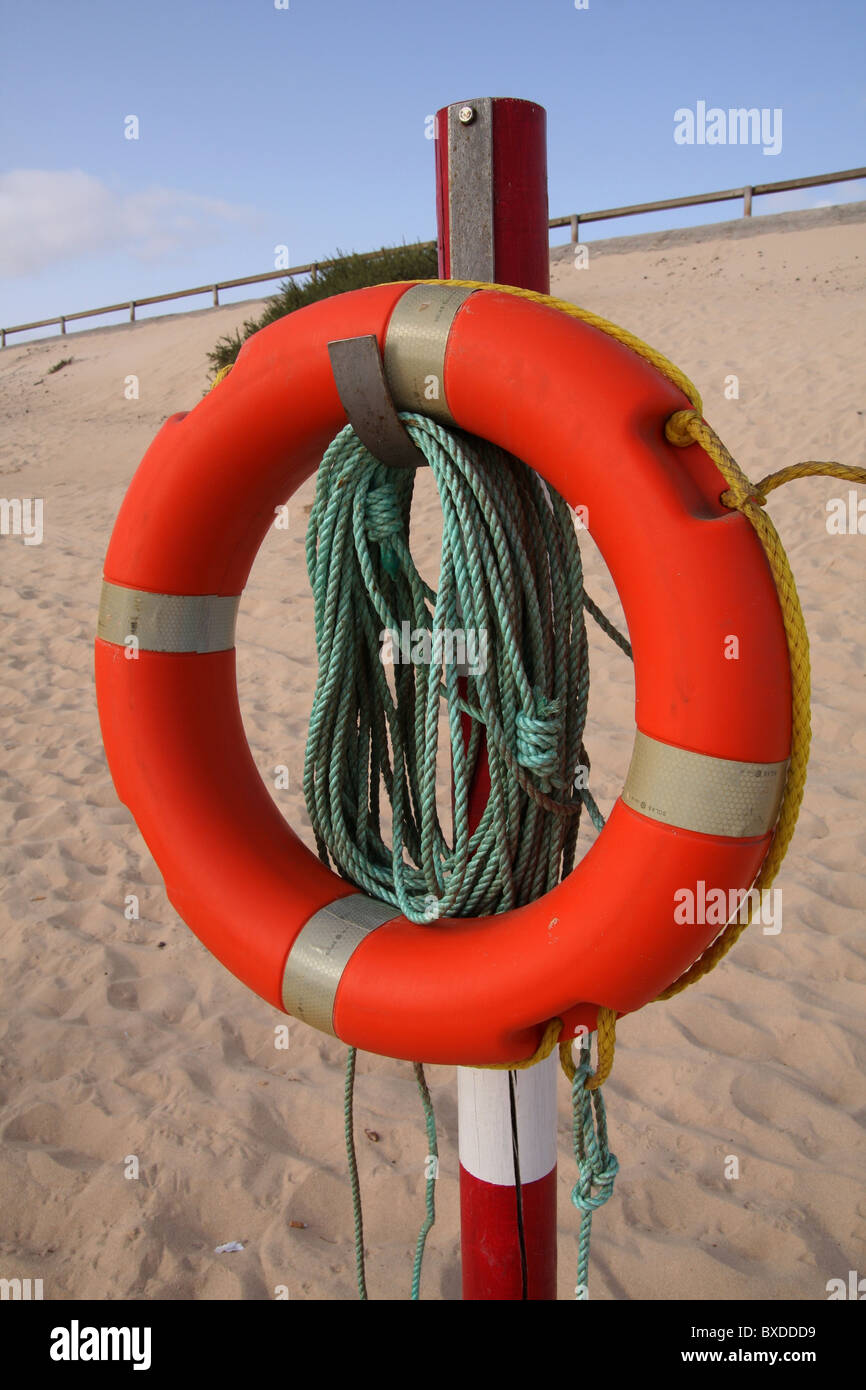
x: 491, y: 209
x: 496, y: 217
x: 508, y: 1230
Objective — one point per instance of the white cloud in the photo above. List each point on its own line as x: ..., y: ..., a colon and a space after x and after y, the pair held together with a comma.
x: 804, y: 199
x: 48, y: 216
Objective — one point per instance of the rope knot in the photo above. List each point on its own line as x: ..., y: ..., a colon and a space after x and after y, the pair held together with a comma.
x: 382, y: 521
x: 742, y: 492
x: 591, y: 1175
x: 596, y: 1165
x: 382, y: 517
x: 678, y: 428
x: 539, y: 736
x: 686, y: 427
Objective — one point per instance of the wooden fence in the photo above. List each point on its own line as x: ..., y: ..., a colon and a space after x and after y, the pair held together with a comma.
x: 574, y: 221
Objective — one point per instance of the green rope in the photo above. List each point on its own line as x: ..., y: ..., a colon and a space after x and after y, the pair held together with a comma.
x: 349, y: 1124
x: 511, y: 586
x: 596, y: 1165
x: 432, y: 1173
x: 510, y: 607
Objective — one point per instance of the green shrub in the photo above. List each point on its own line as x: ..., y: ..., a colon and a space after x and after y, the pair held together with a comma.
x: 344, y: 272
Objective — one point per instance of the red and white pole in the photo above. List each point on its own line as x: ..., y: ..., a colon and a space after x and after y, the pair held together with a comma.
x: 508, y: 1228
x: 491, y: 209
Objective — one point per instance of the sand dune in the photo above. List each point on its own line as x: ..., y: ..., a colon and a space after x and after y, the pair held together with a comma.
x: 124, y: 1037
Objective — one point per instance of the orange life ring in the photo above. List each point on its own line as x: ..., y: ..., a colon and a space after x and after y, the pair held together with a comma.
x: 713, y: 737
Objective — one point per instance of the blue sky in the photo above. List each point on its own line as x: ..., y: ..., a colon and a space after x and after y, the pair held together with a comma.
x: 305, y: 126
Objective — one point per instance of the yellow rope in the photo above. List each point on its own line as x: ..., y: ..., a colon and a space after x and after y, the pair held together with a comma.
x: 686, y: 427
x: 545, y: 1047
x: 221, y: 375
x: 622, y: 335
x: 606, y: 1044
x: 810, y: 470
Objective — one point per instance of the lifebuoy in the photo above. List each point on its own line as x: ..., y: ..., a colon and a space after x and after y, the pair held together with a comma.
x: 714, y: 733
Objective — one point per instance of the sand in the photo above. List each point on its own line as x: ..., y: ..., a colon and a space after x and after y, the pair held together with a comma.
x: 122, y: 1037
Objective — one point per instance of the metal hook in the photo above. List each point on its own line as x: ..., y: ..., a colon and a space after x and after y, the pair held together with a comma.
x: 363, y: 390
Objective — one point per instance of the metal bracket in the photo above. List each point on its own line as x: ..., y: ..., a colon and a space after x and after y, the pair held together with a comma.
x: 363, y: 390
x: 471, y: 190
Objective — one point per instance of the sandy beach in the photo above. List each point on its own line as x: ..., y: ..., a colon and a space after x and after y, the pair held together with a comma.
x: 121, y: 1036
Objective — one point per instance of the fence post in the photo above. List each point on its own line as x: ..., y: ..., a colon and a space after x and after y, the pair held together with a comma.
x: 216, y: 296
x: 62, y: 322
x: 747, y: 202
x: 132, y: 311
x: 575, y: 228
x: 2, y: 337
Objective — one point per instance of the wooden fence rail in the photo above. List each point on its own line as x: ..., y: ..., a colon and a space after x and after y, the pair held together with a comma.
x: 573, y: 221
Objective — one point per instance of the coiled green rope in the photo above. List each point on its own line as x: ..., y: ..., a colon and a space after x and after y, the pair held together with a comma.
x: 511, y: 591
x: 511, y: 583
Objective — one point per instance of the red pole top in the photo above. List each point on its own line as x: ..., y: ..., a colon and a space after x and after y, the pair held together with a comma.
x: 491, y: 192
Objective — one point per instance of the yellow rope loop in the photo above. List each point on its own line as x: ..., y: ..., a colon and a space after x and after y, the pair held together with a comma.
x: 544, y: 1049
x: 566, y: 1060
x: 606, y: 1043
x: 685, y: 427
x: 606, y: 1047
x: 747, y: 498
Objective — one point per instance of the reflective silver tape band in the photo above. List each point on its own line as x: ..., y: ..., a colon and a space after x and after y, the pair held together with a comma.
x: 415, y: 346
x: 321, y: 953
x: 694, y: 791
x: 167, y: 622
